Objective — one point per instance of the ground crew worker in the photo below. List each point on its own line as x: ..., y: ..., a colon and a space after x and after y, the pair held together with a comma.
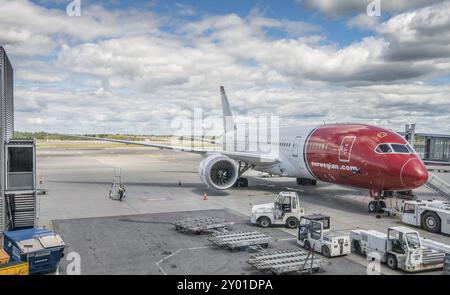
x: 121, y: 192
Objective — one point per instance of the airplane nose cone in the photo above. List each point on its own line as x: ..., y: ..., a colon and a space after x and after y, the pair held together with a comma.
x: 414, y: 174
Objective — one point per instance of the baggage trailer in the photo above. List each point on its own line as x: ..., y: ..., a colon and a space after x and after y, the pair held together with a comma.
x: 236, y: 241
x: 202, y: 224
x: 400, y: 249
x: 314, y: 233
x: 286, y: 261
x: 431, y: 215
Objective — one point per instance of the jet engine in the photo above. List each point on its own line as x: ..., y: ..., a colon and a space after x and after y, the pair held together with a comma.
x: 218, y: 171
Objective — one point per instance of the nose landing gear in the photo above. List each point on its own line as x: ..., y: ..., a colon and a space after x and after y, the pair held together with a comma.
x: 377, y: 206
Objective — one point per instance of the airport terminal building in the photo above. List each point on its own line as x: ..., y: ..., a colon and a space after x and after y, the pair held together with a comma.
x: 430, y: 147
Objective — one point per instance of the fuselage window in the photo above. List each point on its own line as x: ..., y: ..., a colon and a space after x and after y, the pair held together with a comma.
x: 400, y: 148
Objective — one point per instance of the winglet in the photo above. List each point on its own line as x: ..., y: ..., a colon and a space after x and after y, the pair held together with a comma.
x: 228, y: 121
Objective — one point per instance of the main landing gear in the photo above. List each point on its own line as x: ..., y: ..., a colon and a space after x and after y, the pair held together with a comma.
x: 306, y: 181
x: 241, y: 182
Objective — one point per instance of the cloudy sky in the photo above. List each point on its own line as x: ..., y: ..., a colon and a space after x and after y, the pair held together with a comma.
x: 134, y: 66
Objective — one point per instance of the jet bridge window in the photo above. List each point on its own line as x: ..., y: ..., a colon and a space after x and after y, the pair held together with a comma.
x: 20, y: 159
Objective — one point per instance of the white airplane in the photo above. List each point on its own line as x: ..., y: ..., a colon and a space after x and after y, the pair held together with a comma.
x: 355, y: 155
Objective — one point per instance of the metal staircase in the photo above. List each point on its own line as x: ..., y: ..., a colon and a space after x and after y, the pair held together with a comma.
x: 439, y: 186
x: 20, y: 211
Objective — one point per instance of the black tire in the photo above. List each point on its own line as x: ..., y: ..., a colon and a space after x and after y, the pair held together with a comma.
x: 244, y: 182
x: 382, y: 204
x: 314, y: 182
x: 301, y: 181
x: 431, y: 222
x: 391, y: 262
x: 264, y: 222
x: 373, y: 207
x: 307, y: 245
x: 292, y: 222
x: 326, y: 251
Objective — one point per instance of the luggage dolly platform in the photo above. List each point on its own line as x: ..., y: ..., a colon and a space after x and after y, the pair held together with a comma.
x: 237, y: 241
x: 199, y: 225
x: 287, y: 262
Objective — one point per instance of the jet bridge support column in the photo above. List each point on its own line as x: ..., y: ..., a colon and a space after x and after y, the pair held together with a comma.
x: 18, y: 188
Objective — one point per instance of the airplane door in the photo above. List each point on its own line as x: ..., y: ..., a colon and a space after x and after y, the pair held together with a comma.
x: 296, y: 146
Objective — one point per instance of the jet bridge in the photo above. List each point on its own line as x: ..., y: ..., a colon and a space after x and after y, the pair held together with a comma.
x: 17, y: 161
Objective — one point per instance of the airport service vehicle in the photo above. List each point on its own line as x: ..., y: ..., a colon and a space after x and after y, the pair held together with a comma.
x: 285, y: 210
x: 354, y: 155
x: 432, y: 215
x: 400, y: 249
x: 314, y: 233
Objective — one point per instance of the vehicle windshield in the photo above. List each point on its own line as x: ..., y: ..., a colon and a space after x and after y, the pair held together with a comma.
x: 413, y: 240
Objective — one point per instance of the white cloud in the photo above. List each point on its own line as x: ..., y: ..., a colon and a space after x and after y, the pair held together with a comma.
x: 350, y: 7
x: 118, y: 71
x: 364, y: 22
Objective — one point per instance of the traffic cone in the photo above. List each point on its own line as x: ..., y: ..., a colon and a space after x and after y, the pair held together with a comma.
x: 205, y: 197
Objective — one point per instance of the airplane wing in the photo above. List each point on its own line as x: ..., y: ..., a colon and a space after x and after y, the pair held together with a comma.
x: 147, y: 144
x: 247, y: 157
x: 251, y: 158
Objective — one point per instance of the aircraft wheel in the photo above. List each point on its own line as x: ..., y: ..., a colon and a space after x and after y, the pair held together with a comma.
x: 431, y: 222
x: 373, y: 207
x: 264, y: 222
x: 301, y: 181
x: 241, y: 182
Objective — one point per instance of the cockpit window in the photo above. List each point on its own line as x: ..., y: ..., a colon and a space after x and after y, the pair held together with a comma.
x: 410, y: 149
x: 387, y: 148
x: 384, y: 148
x: 400, y: 148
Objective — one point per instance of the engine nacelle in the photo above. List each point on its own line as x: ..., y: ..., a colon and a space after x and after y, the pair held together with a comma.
x: 218, y: 171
